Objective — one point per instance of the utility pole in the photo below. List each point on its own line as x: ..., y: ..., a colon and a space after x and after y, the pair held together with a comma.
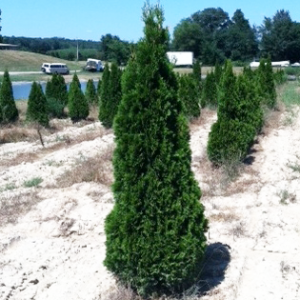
x: 77, y: 51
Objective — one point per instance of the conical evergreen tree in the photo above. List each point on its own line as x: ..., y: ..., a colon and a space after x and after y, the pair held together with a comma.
x: 37, y: 106
x: 270, y: 85
x: 115, y: 90
x: 57, y: 95
x: 222, y: 137
x: 218, y: 73
x: 239, y: 119
x: 209, y: 95
x: 155, y: 232
x: 99, y: 85
x: 265, y: 83
x: 105, y: 98
x: 8, y: 109
x: 77, y: 104
x: 90, y: 92
x: 197, y: 70
x: 189, y: 94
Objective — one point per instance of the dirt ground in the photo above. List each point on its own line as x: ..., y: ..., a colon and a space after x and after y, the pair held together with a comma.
x: 54, y: 201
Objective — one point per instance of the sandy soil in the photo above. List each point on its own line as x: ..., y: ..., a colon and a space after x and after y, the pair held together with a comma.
x: 52, y: 240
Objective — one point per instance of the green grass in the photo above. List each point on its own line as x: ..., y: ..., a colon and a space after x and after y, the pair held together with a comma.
x: 291, y: 94
x: 22, y: 61
x: 33, y: 182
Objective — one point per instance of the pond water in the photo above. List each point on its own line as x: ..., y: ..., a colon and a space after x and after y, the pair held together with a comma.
x: 21, y: 90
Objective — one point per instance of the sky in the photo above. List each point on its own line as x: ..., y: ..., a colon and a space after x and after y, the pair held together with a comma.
x: 90, y: 19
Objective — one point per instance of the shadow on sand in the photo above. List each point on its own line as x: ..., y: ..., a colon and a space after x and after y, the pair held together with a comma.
x: 216, y: 261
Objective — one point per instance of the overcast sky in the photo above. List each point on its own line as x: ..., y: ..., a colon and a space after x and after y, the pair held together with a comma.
x: 90, y: 19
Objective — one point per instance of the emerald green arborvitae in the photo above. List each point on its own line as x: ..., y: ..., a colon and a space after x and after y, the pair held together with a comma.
x: 115, y: 90
x: 99, y: 85
x: 197, y: 70
x: 77, y: 104
x: 218, y: 73
x: 155, y: 232
x: 239, y: 119
x: 223, y: 136
x: 209, y: 92
x: 105, y: 98
x: 189, y: 94
x: 265, y: 83
x: 111, y: 95
x: 57, y: 95
x: 270, y: 85
x: 8, y: 109
x: 90, y: 92
x: 37, y: 106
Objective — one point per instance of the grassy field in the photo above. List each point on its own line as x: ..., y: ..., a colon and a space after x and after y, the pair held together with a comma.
x: 22, y: 61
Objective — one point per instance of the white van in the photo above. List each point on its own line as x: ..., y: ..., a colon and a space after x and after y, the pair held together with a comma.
x: 55, y: 68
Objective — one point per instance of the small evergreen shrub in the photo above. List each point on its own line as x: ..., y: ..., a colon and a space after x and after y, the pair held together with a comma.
x: 37, y: 106
x: 111, y: 95
x: 77, y: 105
x: 8, y: 109
x: 90, y: 92
x: 57, y: 95
x: 209, y: 91
x: 189, y: 94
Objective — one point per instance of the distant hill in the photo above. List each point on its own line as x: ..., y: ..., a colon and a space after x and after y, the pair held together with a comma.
x: 108, y: 48
x: 16, y: 60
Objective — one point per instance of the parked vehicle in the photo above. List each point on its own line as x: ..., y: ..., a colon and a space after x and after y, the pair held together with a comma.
x: 94, y: 65
x: 181, y: 58
x: 55, y: 68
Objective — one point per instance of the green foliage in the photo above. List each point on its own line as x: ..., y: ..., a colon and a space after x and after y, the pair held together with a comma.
x: 212, y: 36
x: 8, y: 109
x: 113, y: 49
x: 189, y: 94
x: 90, y: 92
x: 292, y: 71
x: 57, y: 95
x: 188, y: 37
x: 197, y: 71
x: 37, y: 106
x: 33, y: 182
x: 104, y: 103
x: 99, y: 85
x: 280, y: 37
x: 279, y: 77
x: 111, y: 95
x: 239, y: 119
x: 209, y: 92
x: 265, y: 82
x: 77, y: 104
x: 155, y: 232
x: 241, y: 43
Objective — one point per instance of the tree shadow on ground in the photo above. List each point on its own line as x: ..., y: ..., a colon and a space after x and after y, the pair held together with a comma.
x: 216, y: 261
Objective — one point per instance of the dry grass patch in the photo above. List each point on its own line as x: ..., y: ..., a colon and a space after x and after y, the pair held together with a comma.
x: 97, y: 169
x: 19, y: 159
x: 14, y: 133
x: 14, y: 205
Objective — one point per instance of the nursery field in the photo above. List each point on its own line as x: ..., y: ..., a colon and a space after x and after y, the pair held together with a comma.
x: 54, y: 200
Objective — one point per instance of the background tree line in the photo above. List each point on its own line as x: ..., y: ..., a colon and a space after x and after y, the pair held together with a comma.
x: 210, y: 34
x: 110, y: 48
x: 213, y: 36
